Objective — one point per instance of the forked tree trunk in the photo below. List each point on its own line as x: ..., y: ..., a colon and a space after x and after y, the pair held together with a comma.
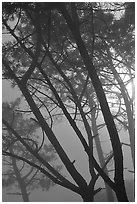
x: 88, y: 195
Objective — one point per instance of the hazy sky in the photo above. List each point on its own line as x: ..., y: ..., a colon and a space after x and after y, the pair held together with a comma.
x: 8, y: 93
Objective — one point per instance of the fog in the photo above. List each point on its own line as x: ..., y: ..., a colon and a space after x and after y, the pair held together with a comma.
x: 75, y: 151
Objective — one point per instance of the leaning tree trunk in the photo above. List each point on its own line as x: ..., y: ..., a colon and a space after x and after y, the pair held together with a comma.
x: 131, y: 125
x: 109, y: 191
x: 108, y: 118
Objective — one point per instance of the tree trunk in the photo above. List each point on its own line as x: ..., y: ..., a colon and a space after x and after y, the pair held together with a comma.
x: 24, y: 193
x: 109, y: 192
x: 88, y: 195
x: 20, y: 180
x: 121, y: 192
x: 88, y: 199
x: 114, y: 137
x: 131, y: 126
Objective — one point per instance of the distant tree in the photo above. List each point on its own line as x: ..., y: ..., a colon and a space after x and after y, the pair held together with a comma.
x: 15, y: 172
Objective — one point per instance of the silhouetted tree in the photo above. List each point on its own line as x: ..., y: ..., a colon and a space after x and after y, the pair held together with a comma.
x: 53, y: 43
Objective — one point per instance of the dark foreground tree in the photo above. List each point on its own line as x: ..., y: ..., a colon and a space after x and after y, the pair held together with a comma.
x: 51, y: 43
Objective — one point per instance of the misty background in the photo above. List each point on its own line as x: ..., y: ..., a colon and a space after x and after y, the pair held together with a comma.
x: 73, y: 148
